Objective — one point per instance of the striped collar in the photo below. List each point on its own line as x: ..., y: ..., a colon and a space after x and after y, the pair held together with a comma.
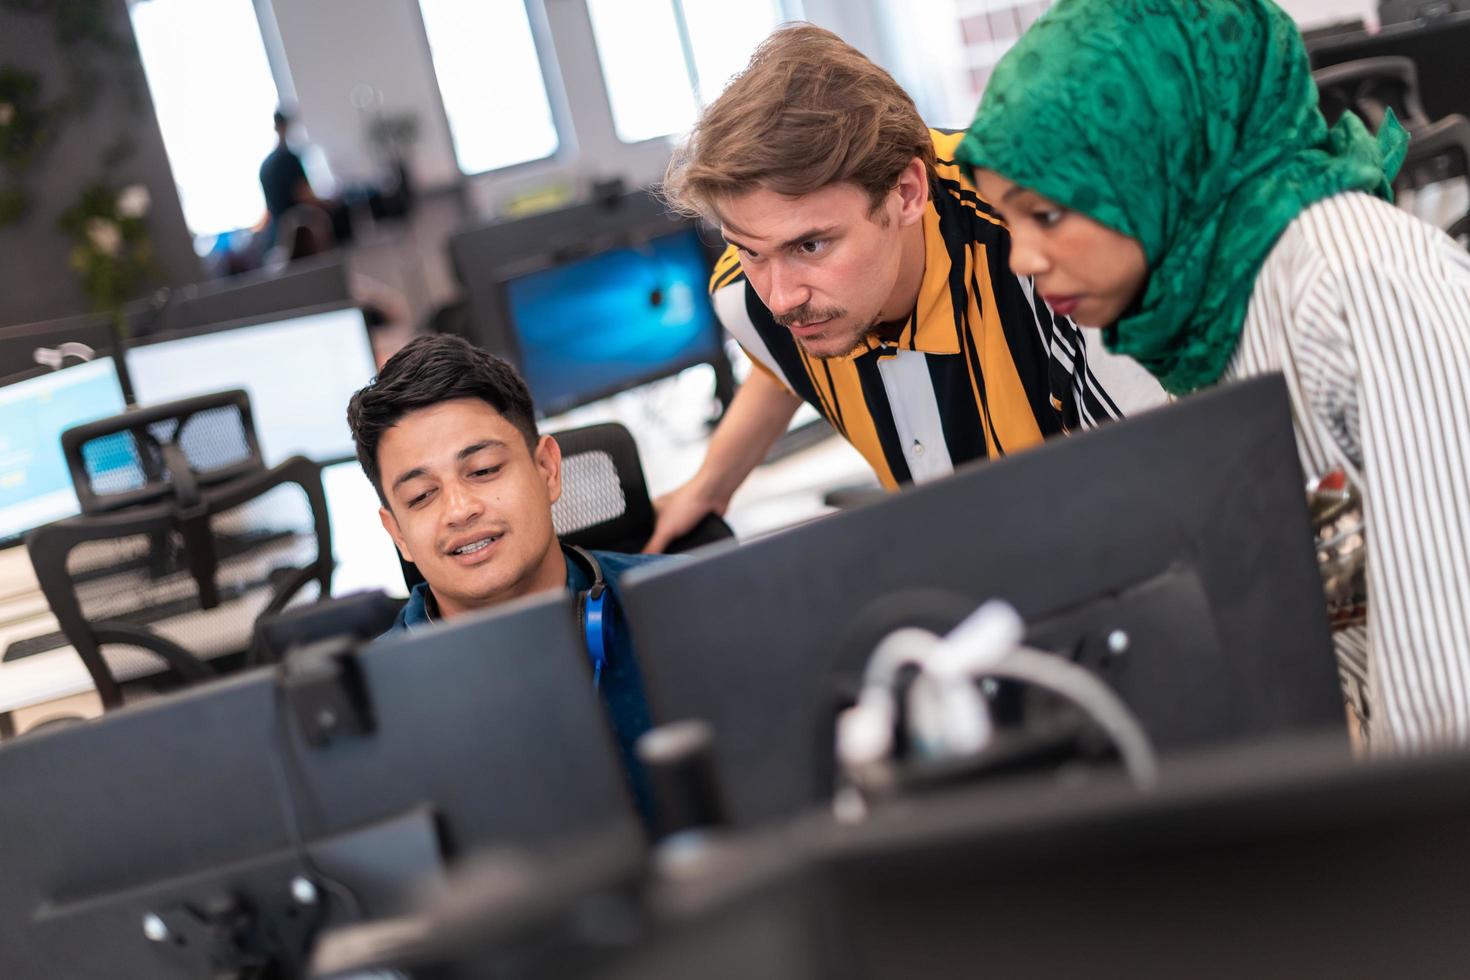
x: 930, y: 327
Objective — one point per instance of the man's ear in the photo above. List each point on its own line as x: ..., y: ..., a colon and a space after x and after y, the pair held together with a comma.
x: 548, y: 461
x: 390, y: 524
x: 913, y: 192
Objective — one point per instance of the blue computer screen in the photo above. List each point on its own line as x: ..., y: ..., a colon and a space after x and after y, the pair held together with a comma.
x: 614, y: 319
x: 35, y: 486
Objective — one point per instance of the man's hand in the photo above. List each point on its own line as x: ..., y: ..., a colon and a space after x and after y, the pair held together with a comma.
x: 757, y: 416
x: 679, y: 511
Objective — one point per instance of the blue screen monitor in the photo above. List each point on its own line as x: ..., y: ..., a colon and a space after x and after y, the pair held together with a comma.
x: 606, y: 322
x: 35, y: 485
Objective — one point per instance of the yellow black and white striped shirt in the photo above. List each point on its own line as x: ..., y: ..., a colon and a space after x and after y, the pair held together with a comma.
x: 981, y: 369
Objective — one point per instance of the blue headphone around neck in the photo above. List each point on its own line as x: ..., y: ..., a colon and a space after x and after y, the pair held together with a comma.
x: 590, y: 607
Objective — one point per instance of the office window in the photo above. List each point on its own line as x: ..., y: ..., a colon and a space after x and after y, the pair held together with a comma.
x: 944, y: 58
x: 663, y: 59
x: 723, y: 35
x: 214, y: 94
x: 491, y: 82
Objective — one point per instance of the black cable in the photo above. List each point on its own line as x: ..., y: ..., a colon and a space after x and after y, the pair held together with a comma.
x: 281, y: 758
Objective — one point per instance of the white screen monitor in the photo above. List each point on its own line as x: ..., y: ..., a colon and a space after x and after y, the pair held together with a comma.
x: 299, y: 371
x: 35, y: 485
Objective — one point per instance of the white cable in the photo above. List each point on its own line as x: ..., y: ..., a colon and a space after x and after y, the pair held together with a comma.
x: 1051, y: 672
x: 979, y: 642
x: 865, y: 731
x: 54, y: 357
x: 948, y: 716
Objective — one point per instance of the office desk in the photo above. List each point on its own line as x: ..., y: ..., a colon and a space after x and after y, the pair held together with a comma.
x: 668, y: 420
x: 365, y: 560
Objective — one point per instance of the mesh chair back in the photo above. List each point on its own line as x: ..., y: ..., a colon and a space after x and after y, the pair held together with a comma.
x: 149, y: 454
x: 172, y: 562
x: 604, y: 498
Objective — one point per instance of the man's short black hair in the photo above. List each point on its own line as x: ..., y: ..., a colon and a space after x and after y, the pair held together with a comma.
x: 429, y: 370
x: 281, y: 118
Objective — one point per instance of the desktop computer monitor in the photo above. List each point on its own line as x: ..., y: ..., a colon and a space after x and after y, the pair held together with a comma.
x: 35, y: 484
x: 592, y: 299
x: 202, y: 807
x: 299, y: 370
x: 1185, y: 527
x: 303, y: 285
x: 584, y: 329
x: 57, y: 342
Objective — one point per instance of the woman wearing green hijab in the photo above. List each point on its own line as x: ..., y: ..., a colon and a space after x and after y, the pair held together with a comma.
x: 1166, y: 175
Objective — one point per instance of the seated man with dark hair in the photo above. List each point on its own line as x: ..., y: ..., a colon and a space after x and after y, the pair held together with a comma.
x: 447, y: 435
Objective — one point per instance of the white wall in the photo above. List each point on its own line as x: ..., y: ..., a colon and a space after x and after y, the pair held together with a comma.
x: 590, y: 147
x: 334, y: 46
x: 36, y: 281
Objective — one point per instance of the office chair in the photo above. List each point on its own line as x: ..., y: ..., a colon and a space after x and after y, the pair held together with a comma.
x: 304, y: 231
x: 1439, y: 150
x: 604, y: 500
x: 1370, y: 87
x: 1438, y: 153
x: 185, y: 537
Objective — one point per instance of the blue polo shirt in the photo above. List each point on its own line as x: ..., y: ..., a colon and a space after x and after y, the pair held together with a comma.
x: 621, y: 685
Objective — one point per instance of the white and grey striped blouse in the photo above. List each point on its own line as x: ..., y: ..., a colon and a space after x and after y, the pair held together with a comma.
x: 1366, y: 310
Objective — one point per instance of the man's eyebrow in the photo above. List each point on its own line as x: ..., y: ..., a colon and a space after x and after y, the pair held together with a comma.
x: 724, y: 223
x: 1015, y: 189
x: 412, y: 474
x: 809, y: 235
x: 463, y: 454
x: 469, y: 451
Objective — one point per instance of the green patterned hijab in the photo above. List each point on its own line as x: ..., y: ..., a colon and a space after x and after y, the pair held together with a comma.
x: 1189, y: 125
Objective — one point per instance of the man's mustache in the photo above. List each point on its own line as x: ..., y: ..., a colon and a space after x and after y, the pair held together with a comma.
x: 806, y: 313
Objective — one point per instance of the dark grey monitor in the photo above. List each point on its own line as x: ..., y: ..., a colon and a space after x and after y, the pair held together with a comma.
x: 30, y: 348
x: 1236, y: 863
x: 299, y: 286
x: 250, y: 296
x: 482, y: 732
x: 1186, y: 526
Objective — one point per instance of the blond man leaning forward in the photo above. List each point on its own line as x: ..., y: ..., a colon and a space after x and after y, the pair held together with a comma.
x: 865, y: 276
